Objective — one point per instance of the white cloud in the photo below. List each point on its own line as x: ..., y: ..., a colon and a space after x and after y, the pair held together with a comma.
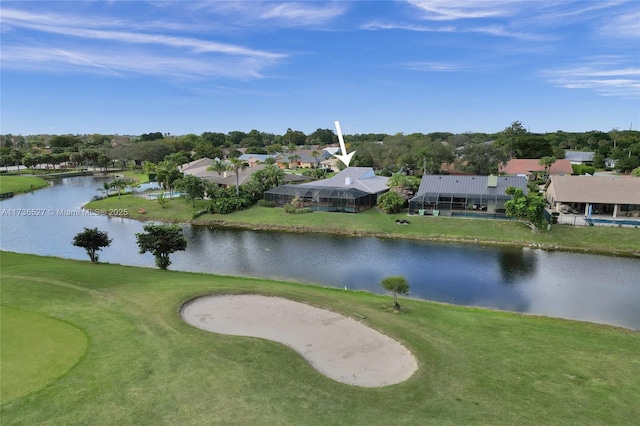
x: 301, y: 14
x: 284, y: 14
x: 447, y: 10
x: 117, y: 62
x: 625, y: 25
x: 608, y: 76
x: 91, y: 45
x: 433, y: 66
x: 51, y: 24
x: 494, y: 30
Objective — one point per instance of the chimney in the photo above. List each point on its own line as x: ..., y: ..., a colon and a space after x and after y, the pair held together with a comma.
x: 347, y: 180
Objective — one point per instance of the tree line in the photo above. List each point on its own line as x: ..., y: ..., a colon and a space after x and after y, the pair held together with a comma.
x: 415, y: 153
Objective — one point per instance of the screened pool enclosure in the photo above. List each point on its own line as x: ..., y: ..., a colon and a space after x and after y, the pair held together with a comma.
x: 444, y: 194
x: 492, y: 203
x: 321, y: 198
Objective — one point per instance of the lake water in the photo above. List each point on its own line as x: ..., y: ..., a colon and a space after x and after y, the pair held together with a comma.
x: 575, y: 286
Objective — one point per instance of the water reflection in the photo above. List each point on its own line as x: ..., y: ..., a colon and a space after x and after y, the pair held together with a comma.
x: 585, y: 287
x: 516, y: 264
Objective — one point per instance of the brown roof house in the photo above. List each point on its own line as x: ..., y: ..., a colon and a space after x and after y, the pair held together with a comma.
x: 595, y: 197
x: 532, y: 169
x: 227, y: 179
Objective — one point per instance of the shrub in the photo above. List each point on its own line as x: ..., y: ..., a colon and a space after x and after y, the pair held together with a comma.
x: 265, y: 203
x: 582, y: 169
x: 315, y: 173
x: 391, y: 202
x: 227, y: 201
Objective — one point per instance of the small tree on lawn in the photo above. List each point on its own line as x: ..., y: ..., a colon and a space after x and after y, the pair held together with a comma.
x: 395, y: 285
x: 192, y: 187
x: 161, y: 241
x: 528, y: 209
x: 92, y: 241
x: 119, y: 185
x: 162, y: 200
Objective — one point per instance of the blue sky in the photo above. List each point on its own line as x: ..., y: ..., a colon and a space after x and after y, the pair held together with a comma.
x: 118, y: 67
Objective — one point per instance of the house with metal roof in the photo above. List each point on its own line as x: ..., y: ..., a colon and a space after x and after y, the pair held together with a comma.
x: 600, y: 196
x: 580, y: 157
x: 352, y: 190
x: 449, y: 194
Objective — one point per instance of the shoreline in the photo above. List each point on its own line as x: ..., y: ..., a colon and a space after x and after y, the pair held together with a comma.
x: 365, y: 234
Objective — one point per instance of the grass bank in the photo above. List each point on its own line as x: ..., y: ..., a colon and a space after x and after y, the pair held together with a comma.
x: 604, y: 240
x: 21, y: 184
x: 144, y: 365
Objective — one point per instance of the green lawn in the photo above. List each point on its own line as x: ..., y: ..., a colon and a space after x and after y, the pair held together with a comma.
x: 20, y: 184
x: 35, y: 351
x: 596, y: 239
x: 133, y: 174
x: 144, y: 365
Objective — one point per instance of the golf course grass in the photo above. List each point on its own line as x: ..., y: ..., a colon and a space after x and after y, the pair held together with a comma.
x: 144, y: 365
x: 35, y: 351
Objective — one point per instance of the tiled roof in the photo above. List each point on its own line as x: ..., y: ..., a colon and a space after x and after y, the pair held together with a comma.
x: 260, y: 157
x: 202, y: 162
x: 524, y: 166
x: 596, y: 189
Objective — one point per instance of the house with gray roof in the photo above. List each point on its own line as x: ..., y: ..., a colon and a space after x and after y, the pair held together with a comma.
x: 600, y: 196
x: 580, y: 157
x: 447, y: 194
x: 351, y: 191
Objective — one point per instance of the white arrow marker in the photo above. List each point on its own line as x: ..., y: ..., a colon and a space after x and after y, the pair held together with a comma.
x: 345, y: 158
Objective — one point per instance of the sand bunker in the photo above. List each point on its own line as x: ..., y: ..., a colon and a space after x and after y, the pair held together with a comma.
x: 338, y: 347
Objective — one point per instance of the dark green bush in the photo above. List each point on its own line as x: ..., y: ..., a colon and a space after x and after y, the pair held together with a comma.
x: 227, y: 201
x: 583, y: 169
x: 391, y: 202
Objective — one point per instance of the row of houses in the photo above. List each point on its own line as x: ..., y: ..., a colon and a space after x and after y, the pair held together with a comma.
x: 356, y: 189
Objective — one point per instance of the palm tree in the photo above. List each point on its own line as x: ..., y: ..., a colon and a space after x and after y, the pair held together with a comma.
x: 292, y: 159
x: 167, y: 174
x: 547, y: 162
x: 273, y: 176
x: 315, y: 155
x: 218, y: 166
x: 106, y: 186
x: 119, y: 185
x: 161, y: 199
x: 177, y: 158
x: 237, y: 165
